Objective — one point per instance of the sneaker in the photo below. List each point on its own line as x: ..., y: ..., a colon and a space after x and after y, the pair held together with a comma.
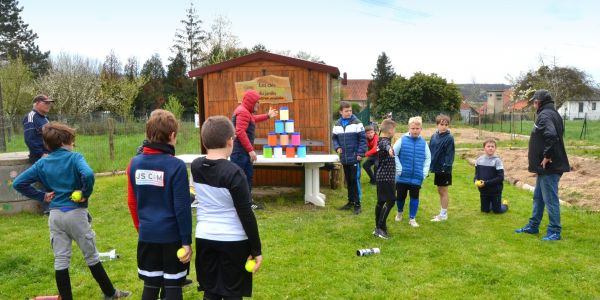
x: 187, y: 282
x: 398, y: 217
x: 439, y: 218
x: 348, y: 206
x: 413, y: 223
x: 380, y: 233
x: 552, y: 236
x: 256, y: 205
x: 118, y: 295
x: 357, y: 210
x: 528, y: 229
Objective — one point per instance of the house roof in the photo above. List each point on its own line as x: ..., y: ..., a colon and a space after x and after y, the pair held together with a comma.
x: 355, y: 89
x: 262, y: 55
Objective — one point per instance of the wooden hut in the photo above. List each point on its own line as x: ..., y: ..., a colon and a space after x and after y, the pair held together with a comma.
x: 311, y: 108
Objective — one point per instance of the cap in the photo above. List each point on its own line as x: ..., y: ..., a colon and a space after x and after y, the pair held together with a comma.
x: 542, y: 96
x: 44, y: 98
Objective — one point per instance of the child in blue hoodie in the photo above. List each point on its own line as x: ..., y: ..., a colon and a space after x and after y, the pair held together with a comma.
x: 412, y: 166
x: 62, y: 172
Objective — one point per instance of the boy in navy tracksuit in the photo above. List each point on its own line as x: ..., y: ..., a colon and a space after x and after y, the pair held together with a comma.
x: 61, y: 173
x: 350, y: 142
x: 489, y: 178
x: 159, y: 202
x: 412, y: 166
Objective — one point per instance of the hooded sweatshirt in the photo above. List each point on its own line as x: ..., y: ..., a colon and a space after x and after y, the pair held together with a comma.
x: 245, y: 123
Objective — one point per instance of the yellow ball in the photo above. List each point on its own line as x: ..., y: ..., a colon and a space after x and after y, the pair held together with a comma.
x: 76, y: 196
x: 181, y: 252
x: 250, y: 265
x: 479, y: 183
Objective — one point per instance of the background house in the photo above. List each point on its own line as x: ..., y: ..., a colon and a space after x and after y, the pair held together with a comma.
x: 580, y: 108
x: 355, y: 90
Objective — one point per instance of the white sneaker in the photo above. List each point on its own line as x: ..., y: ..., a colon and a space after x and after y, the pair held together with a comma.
x: 398, y: 217
x: 439, y: 218
x: 413, y: 223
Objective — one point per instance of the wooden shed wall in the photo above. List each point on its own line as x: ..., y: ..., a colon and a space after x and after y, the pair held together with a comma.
x: 310, y: 110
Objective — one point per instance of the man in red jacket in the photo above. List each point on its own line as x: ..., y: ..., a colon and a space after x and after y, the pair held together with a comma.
x: 244, y: 122
x: 370, y: 165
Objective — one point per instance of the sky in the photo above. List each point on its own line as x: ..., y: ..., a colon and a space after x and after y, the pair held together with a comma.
x: 461, y: 41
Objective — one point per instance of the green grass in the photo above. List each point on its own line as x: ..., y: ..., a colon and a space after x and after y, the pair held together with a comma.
x: 95, y: 148
x: 309, y: 252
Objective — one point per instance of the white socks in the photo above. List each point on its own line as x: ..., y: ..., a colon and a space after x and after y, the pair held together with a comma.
x: 443, y: 211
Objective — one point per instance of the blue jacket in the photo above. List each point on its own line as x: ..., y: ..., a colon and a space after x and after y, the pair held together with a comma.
x: 62, y: 172
x: 349, y: 134
x: 412, y: 159
x: 32, y: 133
x: 441, y: 146
x: 159, y: 196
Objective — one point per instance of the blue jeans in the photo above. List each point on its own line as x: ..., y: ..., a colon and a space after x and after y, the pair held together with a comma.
x: 546, y: 194
x: 243, y: 161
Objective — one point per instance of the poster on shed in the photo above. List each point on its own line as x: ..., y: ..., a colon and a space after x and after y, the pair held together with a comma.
x: 272, y: 89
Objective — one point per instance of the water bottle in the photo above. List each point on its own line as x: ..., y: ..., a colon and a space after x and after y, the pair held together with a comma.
x: 365, y: 252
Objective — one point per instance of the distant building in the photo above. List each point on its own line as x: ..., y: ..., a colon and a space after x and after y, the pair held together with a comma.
x: 355, y: 90
x: 580, y: 108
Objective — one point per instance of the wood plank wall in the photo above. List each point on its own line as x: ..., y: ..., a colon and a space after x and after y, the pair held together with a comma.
x: 311, y: 110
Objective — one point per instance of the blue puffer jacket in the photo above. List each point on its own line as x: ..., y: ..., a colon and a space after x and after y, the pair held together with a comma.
x: 349, y: 134
x: 412, y: 160
x: 441, y: 146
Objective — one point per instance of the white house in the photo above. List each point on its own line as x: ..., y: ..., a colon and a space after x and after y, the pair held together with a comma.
x: 578, y: 109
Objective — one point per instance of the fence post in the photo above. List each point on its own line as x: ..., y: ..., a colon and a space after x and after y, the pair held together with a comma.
x: 111, y: 143
x: 2, y: 131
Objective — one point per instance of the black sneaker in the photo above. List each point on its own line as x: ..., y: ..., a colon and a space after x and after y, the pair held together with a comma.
x: 348, y: 206
x: 380, y: 233
x: 187, y: 282
x: 357, y: 210
x: 257, y: 205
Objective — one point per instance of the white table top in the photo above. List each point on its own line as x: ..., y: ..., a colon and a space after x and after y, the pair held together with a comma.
x: 310, y: 158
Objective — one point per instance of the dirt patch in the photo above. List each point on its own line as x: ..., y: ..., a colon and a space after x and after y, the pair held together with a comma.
x: 580, y: 187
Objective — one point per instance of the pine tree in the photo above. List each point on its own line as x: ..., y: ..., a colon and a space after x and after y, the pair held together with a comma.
x: 191, y: 39
x: 17, y: 40
x: 382, y: 75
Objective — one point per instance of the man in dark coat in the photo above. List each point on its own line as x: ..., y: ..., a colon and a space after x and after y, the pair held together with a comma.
x: 548, y: 159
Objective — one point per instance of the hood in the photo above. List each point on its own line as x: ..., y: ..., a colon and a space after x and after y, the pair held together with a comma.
x: 250, y: 99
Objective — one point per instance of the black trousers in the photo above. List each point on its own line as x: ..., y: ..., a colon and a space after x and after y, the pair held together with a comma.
x: 352, y: 176
x: 370, y: 166
x: 492, y: 202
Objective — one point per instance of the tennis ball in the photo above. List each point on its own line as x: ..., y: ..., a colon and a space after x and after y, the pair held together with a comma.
x: 76, y: 196
x: 250, y: 265
x: 479, y: 183
x: 181, y: 252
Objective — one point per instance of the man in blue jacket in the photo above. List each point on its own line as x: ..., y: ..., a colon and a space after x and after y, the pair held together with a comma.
x: 548, y: 159
x: 350, y: 142
x: 32, y: 132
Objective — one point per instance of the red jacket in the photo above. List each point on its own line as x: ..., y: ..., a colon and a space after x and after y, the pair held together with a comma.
x: 245, y: 121
x: 372, y: 146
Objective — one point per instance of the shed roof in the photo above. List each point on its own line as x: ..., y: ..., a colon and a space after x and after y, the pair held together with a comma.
x: 262, y: 55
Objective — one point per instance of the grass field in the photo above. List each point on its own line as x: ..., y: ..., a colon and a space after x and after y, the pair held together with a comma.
x: 310, y: 252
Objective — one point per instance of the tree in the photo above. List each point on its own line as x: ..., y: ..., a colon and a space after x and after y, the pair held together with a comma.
x: 17, y: 83
x: 152, y: 95
x: 178, y: 84
x: 117, y: 93
x: 74, y: 82
x: 419, y: 94
x: 191, y: 40
x: 259, y: 47
x: 131, y: 70
x: 564, y: 83
x: 221, y: 35
x: 17, y: 40
x: 382, y: 76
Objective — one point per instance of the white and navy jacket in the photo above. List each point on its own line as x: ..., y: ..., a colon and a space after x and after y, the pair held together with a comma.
x: 32, y: 132
x: 349, y: 134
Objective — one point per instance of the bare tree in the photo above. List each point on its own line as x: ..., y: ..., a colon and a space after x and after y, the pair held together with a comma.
x: 73, y: 81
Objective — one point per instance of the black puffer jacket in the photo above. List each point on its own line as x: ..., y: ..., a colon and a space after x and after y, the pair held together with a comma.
x: 546, y: 140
